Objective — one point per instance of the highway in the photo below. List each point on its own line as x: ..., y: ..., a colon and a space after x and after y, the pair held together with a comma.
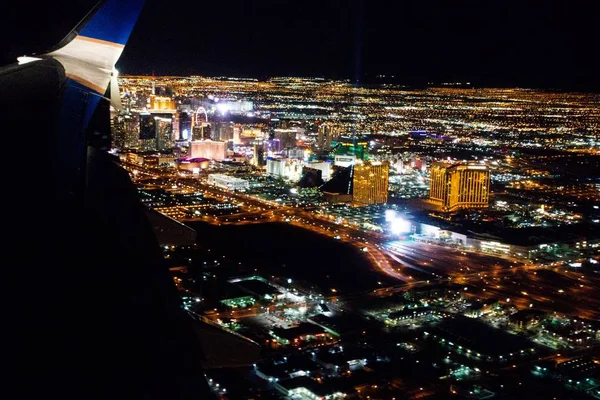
x: 523, y: 284
x: 259, y: 210
x: 413, y: 263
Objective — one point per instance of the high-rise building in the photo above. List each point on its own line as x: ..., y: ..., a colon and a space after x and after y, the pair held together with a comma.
x: 132, y: 129
x: 274, y: 123
x: 340, y: 187
x: 237, y: 130
x: 147, y: 133
x: 324, y: 137
x: 276, y: 166
x: 324, y: 167
x: 117, y: 130
x: 286, y: 168
x: 202, y: 131
x: 287, y: 137
x: 258, y: 157
x: 222, y: 130
x: 156, y: 131
x: 164, y: 131
x: 147, y: 126
x: 209, y: 149
x: 184, y: 122
x: 370, y: 182
x: 161, y: 103
x: 311, y: 177
x: 352, y: 146
x: 272, y: 146
x: 455, y: 186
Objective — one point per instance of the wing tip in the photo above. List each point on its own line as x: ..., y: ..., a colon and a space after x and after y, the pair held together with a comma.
x: 108, y: 22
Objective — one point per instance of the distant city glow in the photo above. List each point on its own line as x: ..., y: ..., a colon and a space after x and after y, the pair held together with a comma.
x: 464, y: 219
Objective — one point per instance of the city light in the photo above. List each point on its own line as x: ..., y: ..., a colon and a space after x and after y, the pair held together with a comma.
x: 446, y: 235
x: 433, y: 245
x: 390, y: 215
x: 223, y: 107
x: 400, y: 225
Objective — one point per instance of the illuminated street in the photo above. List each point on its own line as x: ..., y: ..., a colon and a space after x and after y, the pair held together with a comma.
x: 344, y: 224
x: 302, y: 200
x: 408, y: 261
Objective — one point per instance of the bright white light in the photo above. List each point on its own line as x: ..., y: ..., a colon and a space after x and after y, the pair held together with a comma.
x: 390, y: 215
x: 223, y: 107
x: 25, y: 59
x: 185, y: 134
x: 400, y: 225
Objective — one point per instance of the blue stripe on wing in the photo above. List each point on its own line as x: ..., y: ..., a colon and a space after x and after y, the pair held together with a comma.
x: 114, y: 21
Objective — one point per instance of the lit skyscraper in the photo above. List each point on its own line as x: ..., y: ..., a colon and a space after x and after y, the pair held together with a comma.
x: 370, y: 182
x: 324, y: 137
x: 156, y: 131
x: 184, y: 122
x: 117, y: 130
x: 164, y: 132
x: 161, y: 103
x: 202, y: 131
x: 258, y: 158
x: 147, y: 127
x: 352, y: 146
x: 456, y: 186
x: 209, y: 149
x: 287, y: 137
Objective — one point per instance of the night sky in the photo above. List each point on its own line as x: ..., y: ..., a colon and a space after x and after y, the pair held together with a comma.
x: 552, y: 44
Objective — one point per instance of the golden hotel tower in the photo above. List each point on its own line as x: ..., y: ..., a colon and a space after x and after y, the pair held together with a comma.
x: 456, y: 186
x: 370, y: 182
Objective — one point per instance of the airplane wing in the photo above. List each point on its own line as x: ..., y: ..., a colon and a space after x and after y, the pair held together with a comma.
x: 94, y: 312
